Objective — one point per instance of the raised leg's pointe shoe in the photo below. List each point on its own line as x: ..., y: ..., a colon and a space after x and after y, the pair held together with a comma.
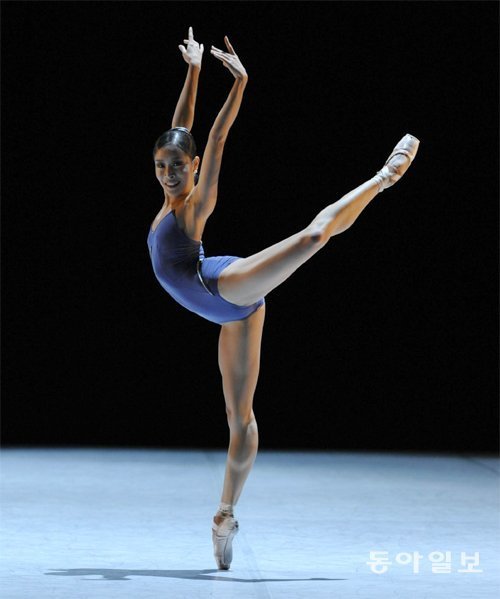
x: 398, y: 162
x: 222, y: 538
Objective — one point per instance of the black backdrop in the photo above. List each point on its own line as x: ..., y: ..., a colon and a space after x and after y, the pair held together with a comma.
x: 385, y: 339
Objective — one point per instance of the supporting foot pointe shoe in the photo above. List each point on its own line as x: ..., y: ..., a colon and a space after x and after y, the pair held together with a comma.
x: 398, y: 162
x: 222, y: 538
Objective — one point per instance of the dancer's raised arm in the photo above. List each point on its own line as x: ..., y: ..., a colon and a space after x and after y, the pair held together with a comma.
x: 229, y: 111
x: 205, y: 193
x: 184, y: 111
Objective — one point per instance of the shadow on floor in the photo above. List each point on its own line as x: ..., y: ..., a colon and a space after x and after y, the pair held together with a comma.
x: 112, y: 574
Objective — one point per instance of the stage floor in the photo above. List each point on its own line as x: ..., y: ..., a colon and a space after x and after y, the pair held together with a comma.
x: 129, y: 523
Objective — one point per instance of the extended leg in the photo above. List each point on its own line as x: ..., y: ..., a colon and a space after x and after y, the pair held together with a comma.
x: 246, y: 280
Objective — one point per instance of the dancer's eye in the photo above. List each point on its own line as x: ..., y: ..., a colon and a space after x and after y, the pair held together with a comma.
x: 173, y: 164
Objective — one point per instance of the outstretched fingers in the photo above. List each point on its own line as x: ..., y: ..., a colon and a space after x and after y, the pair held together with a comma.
x: 228, y: 44
x: 190, y: 36
x: 222, y: 56
x: 192, y: 52
x: 230, y: 60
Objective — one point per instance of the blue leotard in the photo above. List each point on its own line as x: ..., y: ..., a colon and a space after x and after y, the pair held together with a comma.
x: 181, y: 268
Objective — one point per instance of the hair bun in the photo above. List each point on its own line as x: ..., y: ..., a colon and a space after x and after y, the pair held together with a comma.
x: 181, y: 129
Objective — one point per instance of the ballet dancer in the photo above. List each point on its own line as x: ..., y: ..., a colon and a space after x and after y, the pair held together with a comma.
x: 230, y: 290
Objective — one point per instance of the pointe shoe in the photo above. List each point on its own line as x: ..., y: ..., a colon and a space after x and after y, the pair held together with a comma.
x: 222, y: 538
x: 395, y: 168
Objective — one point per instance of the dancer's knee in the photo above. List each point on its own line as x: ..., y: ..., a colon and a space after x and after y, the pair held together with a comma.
x: 240, y: 419
x: 316, y: 234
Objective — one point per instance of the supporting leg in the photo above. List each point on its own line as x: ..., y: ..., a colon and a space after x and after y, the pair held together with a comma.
x: 239, y: 362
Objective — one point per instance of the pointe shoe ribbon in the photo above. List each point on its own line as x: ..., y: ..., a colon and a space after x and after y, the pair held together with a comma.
x: 222, y: 538
x: 391, y: 173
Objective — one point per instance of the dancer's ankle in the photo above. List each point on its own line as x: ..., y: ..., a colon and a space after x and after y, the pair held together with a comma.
x: 225, y: 510
x: 381, y: 179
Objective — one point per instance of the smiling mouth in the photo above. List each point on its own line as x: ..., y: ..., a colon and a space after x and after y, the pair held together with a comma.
x: 171, y: 185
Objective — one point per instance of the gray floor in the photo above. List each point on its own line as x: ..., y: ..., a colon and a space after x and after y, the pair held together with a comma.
x: 106, y: 523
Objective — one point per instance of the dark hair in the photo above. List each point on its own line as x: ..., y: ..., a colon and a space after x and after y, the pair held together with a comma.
x: 180, y: 137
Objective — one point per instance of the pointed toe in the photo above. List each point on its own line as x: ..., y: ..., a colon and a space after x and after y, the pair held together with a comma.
x: 393, y: 170
x: 222, y: 539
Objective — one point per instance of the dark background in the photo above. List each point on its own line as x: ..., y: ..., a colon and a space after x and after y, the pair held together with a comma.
x: 386, y: 339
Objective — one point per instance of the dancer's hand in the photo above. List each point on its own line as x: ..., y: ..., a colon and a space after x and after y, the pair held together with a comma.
x: 230, y: 60
x: 193, y: 52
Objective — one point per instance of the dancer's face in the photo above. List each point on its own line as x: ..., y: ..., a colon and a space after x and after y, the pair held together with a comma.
x: 175, y: 170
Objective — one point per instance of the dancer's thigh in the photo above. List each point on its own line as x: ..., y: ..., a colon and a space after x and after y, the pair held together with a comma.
x: 248, y: 279
x: 239, y: 362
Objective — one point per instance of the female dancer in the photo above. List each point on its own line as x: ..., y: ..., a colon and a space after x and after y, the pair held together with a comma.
x: 230, y: 290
